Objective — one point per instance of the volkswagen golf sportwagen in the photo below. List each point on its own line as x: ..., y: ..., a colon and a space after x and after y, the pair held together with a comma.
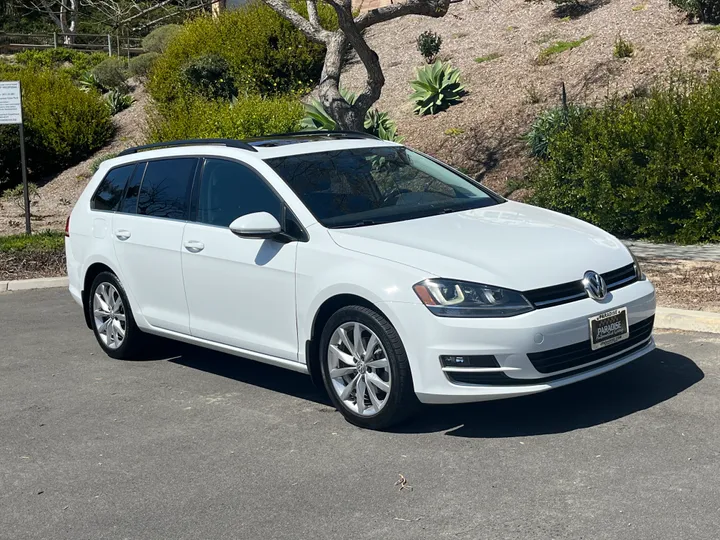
x: 384, y: 274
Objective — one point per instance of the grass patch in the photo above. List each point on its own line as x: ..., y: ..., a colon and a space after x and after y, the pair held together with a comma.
x: 460, y: 35
x: 545, y: 37
x: 705, y: 49
x: 488, y: 58
x: 95, y: 165
x: 559, y: 47
x: 48, y: 241
x: 454, y: 132
x: 623, y: 49
x: 639, y: 7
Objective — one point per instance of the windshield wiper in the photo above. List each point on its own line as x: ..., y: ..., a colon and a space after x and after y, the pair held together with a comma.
x: 363, y: 223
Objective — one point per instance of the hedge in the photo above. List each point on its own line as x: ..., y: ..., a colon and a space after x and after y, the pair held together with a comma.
x: 641, y: 168
x: 63, y: 125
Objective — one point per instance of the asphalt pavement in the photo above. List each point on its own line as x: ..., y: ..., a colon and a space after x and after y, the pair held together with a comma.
x: 191, y: 444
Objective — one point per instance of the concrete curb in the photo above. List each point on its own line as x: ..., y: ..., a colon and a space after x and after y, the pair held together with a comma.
x: 665, y: 318
x: 684, y: 319
x: 29, y: 284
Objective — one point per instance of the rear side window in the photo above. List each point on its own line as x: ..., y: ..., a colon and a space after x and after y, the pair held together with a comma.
x: 110, y: 191
x: 166, y: 187
x: 230, y: 190
x: 129, y: 203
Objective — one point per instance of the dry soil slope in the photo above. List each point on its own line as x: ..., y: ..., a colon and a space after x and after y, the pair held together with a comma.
x: 507, y: 93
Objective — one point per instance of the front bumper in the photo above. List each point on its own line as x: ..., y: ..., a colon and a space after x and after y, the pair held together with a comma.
x: 511, y: 340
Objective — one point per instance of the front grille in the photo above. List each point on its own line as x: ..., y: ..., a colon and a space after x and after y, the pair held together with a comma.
x: 574, y: 290
x: 578, y: 354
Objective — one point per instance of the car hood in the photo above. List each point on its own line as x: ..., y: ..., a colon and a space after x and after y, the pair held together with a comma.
x: 510, y: 245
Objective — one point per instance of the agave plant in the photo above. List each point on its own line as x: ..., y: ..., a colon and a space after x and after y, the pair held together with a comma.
x: 88, y: 81
x: 117, y: 101
x: 437, y: 86
x: 316, y: 118
x: 379, y: 124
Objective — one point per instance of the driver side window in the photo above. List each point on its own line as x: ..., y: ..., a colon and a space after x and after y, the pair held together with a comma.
x: 229, y: 190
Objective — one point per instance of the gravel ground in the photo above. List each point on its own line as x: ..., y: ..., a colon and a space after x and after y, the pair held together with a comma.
x: 193, y: 444
x: 685, y: 284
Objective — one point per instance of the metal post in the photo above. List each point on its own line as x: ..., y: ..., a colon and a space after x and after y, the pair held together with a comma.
x: 109, y: 45
x: 23, y: 164
x: 55, y: 39
x: 119, y: 49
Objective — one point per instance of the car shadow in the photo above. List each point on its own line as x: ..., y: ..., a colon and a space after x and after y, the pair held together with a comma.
x: 640, y: 385
x: 637, y: 386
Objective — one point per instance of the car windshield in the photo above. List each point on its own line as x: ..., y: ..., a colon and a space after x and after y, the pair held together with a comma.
x: 367, y: 186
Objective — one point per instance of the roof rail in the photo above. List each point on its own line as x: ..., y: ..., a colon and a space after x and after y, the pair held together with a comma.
x: 231, y: 143
x: 349, y: 134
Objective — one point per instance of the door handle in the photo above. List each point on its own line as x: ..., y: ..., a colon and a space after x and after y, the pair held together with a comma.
x: 193, y: 246
x: 122, y: 234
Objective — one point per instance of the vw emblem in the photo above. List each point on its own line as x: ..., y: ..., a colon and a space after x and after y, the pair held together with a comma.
x: 595, y: 285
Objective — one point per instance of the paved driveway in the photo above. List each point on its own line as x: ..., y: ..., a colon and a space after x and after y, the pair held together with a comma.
x: 199, y: 445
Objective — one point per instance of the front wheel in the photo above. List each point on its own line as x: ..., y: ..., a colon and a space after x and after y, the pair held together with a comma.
x: 365, y: 368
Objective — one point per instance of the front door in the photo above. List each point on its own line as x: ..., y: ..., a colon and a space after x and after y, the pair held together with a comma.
x: 147, y: 233
x: 240, y: 291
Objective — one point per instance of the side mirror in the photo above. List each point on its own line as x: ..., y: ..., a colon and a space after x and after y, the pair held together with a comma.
x: 257, y: 225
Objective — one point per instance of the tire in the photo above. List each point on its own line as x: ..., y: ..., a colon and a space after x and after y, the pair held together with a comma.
x: 380, y: 409
x: 120, y: 339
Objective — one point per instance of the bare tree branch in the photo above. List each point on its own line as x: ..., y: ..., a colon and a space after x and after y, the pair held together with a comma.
x: 313, y: 32
x: 429, y: 8
x: 313, y: 13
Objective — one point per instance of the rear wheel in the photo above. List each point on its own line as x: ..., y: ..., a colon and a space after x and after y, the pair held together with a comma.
x: 365, y: 368
x: 112, y: 319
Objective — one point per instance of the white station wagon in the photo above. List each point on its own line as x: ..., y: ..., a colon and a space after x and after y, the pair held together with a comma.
x: 384, y: 274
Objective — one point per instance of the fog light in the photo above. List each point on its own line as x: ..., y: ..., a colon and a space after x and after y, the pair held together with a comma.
x: 484, y: 361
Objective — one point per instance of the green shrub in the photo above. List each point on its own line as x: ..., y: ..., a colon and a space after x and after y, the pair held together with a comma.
x: 69, y: 61
x: 381, y: 125
x: 210, y: 76
x: 140, y: 66
x: 62, y: 125
x: 707, y: 11
x: 548, y: 125
x: 641, y: 168
x: 437, y: 87
x: 17, y: 195
x: 111, y: 73
x: 89, y: 82
x: 158, y: 40
x: 95, y: 165
x: 117, y: 101
x: 247, y: 117
x: 623, y: 49
x: 317, y: 118
x: 265, y: 53
x: 428, y: 43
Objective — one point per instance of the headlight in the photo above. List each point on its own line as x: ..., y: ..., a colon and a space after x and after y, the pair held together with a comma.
x: 638, y: 271
x: 450, y: 298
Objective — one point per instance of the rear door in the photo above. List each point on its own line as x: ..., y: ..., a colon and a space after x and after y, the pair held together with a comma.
x: 240, y: 291
x: 147, y: 233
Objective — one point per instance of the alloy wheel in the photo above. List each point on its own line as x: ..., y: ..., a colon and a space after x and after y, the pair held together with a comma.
x: 359, y: 368
x: 109, y: 315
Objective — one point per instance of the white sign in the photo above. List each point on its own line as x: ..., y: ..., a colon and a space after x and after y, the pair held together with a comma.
x: 10, y: 103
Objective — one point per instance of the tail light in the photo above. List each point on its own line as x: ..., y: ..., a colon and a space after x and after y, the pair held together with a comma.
x: 67, y: 227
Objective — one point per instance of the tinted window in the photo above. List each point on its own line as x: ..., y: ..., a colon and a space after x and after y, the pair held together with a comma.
x: 230, y: 190
x: 129, y: 204
x: 364, y: 186
x: 110, y: 191
x: 165, y: 188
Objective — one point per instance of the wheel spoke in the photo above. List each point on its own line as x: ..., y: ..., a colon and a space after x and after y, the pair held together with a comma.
x: 345, y: 340
x: 341, y: 372
x: 100, y: 300
x: 360, y: 395
x: 103, y: 326
x: 358, y: 351
x: 342, y: 356
x: 370, y: 348
x: 381, y: 363
x: 120, y: 317
x: 376, y: 381
x: 373, y: 397
x: 101, y: 313
x: 118, y: 329
x: 349, y: 388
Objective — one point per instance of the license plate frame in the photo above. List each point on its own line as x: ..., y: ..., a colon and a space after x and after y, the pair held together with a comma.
x: 609, y: 328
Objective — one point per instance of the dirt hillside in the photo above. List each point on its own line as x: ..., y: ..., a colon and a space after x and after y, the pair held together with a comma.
x: 505, y: 94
